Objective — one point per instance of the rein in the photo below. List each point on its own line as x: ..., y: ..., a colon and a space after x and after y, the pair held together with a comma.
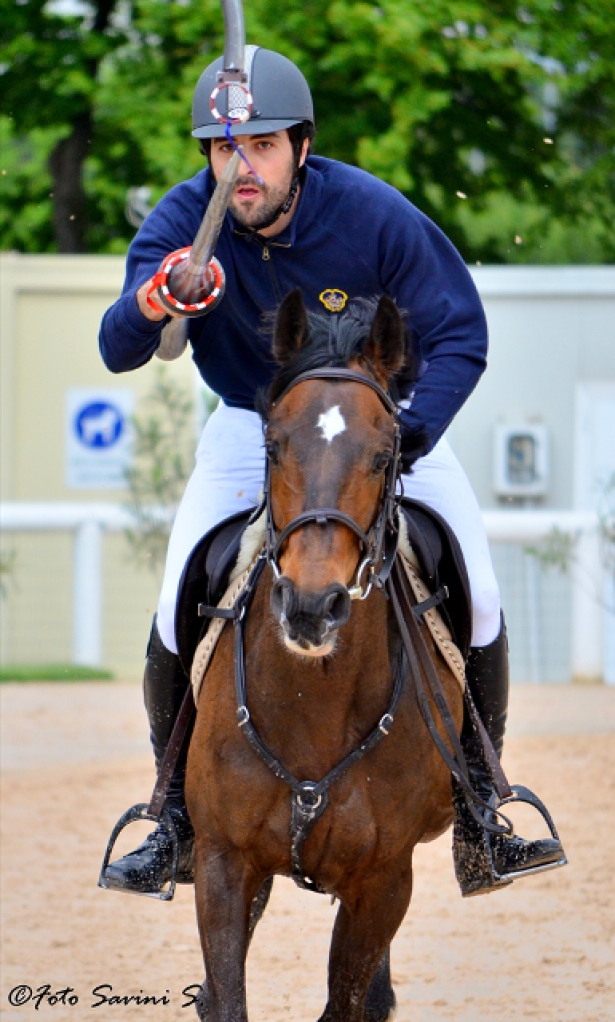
x: 420, y: 663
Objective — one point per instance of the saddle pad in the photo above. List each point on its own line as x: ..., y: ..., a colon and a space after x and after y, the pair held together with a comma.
x: 208, y: 643
x: 433, y: 619
x: 223, y: 553
x: 441, y: 562
x: 438, y: 628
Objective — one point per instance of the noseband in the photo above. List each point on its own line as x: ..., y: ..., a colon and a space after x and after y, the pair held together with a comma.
x: 379, y: 544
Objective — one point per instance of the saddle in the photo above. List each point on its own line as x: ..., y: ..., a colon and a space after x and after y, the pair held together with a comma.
x: 205, y: 579
x: 209, y: 566
x: 442, y: 565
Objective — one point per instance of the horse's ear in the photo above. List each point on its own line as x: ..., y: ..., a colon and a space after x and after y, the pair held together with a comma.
x: 386, y: 344
x: 291, y: 327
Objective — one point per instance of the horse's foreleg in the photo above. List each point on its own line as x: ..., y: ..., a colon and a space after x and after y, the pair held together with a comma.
x: 225, y: 889
x: 359, y: 972
x: 259, y: 905
x: 380, y: 1001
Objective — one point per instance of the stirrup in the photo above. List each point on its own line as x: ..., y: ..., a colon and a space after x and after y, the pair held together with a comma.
x: 473, y: 856
x: 522, y: 794
x: 165, y: 820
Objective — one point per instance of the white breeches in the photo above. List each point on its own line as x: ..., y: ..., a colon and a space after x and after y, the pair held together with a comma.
x: 228, y: 477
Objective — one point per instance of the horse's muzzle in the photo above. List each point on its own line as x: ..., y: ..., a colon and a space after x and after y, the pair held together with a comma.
x: 310, y: 621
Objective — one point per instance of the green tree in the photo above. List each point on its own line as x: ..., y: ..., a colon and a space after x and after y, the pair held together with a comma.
x: 582, y: 46
x: 162, y: 462
x: 8, y: 560
x: 50, y: 63
x: 474, y: 109
x: 411, y: 91
x: 558, y: 550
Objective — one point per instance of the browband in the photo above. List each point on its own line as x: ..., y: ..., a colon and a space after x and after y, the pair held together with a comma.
x: 334, y: 373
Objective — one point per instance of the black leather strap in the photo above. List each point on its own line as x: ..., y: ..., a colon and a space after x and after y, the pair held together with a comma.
x: 229, y: 614
x: 319, y: 516
x: 188, y: 708
x: 349, y: 375
x: 419, y: 661
x: 435, y: 600
x: 309, y: 799
x: 173, y: 749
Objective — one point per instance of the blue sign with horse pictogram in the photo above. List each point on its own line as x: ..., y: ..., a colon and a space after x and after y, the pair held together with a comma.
x: 98, y: 438
x: 99, y: 424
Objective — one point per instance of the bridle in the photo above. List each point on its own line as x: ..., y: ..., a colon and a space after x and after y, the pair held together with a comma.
x: 379, y: 544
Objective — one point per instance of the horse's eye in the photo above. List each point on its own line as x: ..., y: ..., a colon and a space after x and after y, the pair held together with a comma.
x: 381, y: 461
x: 272, y: 449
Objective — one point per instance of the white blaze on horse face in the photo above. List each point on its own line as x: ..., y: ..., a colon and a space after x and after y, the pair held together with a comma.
x: 331, y: 423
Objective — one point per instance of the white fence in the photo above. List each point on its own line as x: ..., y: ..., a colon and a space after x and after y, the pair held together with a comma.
x: 88, y: 521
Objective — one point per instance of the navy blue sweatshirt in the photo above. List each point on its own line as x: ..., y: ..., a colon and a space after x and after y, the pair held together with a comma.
x: 350, y: 231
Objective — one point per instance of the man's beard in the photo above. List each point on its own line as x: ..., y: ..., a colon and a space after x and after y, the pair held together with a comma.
x: 273, y: 199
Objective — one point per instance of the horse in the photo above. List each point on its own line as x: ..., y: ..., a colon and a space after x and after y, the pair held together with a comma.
x: 320, y: 668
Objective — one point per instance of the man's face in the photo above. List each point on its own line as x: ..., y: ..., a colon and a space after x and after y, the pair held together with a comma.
x: 252, y: 204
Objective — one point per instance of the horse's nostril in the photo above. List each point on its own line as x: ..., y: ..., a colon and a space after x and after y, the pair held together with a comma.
x: 282, y: 599
x: 308, y: 618
x: 337, y: 605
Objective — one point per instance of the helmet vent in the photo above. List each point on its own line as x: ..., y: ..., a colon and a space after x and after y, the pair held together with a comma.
x: 237, y: 100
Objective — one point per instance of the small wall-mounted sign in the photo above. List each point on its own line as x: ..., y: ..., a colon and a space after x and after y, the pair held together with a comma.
x: 521, y: 460
x: 98, y: 438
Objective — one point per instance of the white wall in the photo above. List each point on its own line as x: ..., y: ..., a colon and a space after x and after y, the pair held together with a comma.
x: 550, y: 329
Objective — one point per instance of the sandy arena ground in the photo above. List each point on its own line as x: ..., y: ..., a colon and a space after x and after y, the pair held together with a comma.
x: 75, y: 756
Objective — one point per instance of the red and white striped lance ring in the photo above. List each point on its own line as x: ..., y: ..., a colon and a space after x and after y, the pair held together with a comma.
x: 238, y: 115
x: 159, y: 282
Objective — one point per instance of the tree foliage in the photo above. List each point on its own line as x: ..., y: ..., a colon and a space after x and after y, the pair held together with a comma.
x: 8, y: 560
x: 163, y: 456
x: 467, y: 106
x: 558, y: 549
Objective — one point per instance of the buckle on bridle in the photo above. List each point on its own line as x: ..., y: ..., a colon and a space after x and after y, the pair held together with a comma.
x: 385, y: 723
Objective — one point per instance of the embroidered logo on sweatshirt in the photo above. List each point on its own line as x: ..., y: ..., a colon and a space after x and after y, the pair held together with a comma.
x: 333, y: 299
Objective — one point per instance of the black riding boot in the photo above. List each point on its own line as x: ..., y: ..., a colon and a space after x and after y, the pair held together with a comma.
x: 483, y: 861
x: 149, y: 867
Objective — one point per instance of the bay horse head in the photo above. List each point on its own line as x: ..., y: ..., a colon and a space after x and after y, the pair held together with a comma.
x: 332, y: 444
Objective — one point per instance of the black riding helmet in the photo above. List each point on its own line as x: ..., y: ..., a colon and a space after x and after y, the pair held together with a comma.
x: 280, y: 93
x: 281, y: 101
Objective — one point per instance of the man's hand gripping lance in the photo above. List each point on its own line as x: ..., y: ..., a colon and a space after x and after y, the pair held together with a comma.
x: 190, y: 281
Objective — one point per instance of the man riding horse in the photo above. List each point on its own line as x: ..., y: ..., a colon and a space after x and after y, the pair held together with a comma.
x: 336, y: 232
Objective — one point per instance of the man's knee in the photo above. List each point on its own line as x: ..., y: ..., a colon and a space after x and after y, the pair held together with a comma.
x: 486, y: 608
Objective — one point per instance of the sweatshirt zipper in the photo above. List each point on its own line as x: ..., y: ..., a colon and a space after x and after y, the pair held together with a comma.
x: 266, y: 246
x: 272, y: 244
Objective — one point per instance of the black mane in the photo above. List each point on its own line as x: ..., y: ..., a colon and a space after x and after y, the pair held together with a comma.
x: 333, y: 341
